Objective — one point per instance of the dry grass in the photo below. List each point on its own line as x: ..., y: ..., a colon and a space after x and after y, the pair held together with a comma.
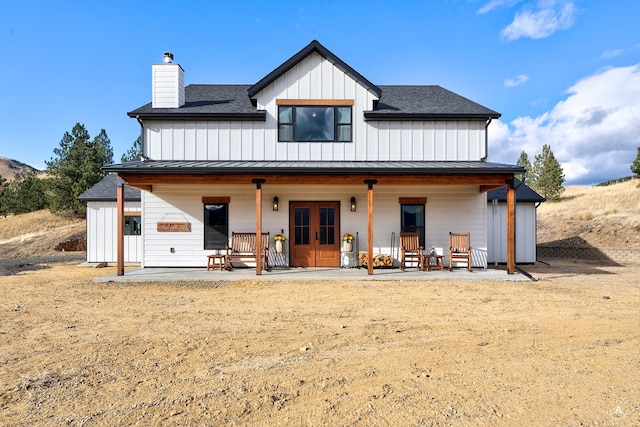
x: 601, y: 216
x: 33, y: 222
x: 587, y: 202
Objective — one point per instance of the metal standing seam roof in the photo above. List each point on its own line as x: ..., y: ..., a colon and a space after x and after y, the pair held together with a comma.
x: 312, y: 167
x: 106, y: 191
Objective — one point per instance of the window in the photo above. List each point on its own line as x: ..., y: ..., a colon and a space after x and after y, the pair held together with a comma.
x: 132, y: 225
x: 216, y: 225
x: 412, y: 219
x: 314, y: 123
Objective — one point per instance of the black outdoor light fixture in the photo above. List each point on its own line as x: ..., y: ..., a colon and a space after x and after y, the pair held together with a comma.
x: 275, y: 203
x: 353, y: 204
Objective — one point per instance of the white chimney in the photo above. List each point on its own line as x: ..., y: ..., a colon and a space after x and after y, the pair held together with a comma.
x: 167, y: 84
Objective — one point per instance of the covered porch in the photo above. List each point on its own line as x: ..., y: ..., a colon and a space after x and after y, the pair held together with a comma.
x: 368, y: 176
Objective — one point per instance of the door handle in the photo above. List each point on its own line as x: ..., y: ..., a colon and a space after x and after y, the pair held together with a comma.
x: 317, y: 236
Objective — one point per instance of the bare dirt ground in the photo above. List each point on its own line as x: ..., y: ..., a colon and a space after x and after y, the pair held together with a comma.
x: 560, y: 351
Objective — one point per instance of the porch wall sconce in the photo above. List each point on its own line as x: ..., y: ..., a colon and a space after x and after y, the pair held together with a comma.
x: 275, y: 203
x: 353, y: 204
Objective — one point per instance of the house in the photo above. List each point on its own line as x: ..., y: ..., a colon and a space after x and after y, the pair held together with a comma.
x: 527, y: 202
x: 314, y: 151
x: 102, y: 217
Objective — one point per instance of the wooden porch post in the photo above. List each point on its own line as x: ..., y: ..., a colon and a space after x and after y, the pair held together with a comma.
x: 511, y: 229
x: 370, y: 183
x: 120, y: 231
x: 258, y: 182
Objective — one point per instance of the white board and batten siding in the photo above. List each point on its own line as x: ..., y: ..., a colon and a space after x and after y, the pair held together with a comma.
x: 526, y: 219
x: 167, y: 86
x: 445, y: 211
x: 315, y: 78
x: 102, y: 220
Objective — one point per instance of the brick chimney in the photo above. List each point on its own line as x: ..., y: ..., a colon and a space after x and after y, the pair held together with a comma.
x: 167, y: 84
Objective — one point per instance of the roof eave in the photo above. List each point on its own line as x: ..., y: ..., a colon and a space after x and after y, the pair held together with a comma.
x: 257, y: 116
x: 373, y: 115
x: 314, y: 46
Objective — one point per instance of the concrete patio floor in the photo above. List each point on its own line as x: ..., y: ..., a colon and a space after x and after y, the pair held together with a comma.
x: 393, y: 274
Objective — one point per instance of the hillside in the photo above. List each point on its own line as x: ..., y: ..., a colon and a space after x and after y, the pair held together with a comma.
x: 9, y: 167
x: 606, y: 216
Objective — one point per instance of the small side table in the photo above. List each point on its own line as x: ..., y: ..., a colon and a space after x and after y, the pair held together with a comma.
x: 434, y: 262
x: 217, y: 260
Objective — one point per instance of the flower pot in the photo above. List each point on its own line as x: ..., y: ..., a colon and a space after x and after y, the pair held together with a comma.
x: 279, y: 246
x: 347, y: 246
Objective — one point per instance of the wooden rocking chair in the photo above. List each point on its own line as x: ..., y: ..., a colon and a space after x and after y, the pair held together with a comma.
x: 410, y: 250
x: 460, y: 249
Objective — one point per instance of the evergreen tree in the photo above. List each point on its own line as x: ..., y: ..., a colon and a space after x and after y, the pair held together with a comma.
x: 523, y: 161
x: 635, y: 166
x: 77, y: 167
x: 546, y: 175
x: 134, y: 153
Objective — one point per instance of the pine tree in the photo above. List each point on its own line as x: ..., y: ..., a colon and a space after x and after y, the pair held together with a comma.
x: 547, y: 176
x: 523, y: 161
x: 134, y: 153
x: 635, y: 166
x: 77, y: 167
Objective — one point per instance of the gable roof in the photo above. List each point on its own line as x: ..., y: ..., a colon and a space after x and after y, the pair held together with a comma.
x: 312, y: 47
x: 396, y: 102
x: 524, y: 193
x: 106, y: 191
x: 426, y: 102
x: 212, y: 102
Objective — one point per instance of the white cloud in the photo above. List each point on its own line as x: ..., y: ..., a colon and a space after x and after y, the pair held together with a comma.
x: 612, y: 53
x: 496, y: 4
x: 594, y: 133
x: 540, y: 20
x: 522, y: 78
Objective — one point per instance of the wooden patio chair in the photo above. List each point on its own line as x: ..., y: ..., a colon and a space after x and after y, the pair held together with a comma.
x: 460, y: 249
x: 410, y: 249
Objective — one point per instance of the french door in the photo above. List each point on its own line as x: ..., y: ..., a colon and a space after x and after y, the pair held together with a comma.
x: 314, y: 234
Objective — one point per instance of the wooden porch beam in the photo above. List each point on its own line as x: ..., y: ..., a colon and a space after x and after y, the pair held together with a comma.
x: 511, y: 229
x: 145, y: 181
x: 370, y: 183
x: 120, y: 231
x: 258, y: 182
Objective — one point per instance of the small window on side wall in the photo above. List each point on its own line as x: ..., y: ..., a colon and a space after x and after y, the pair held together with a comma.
x: 132, y: 225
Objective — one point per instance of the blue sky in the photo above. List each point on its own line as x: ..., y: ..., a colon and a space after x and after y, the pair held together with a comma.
x: 562, y: 72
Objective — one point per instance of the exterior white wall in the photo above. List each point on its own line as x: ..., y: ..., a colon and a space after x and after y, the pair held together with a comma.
x: 102, y: 220
x: 461, y: 210
x: 525, y: 233
x: 315, y: 78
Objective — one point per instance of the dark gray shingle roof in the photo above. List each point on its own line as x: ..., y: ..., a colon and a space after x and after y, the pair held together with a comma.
x: 523, y: 194
x: 415, y: 102
x: 216, y: 102
x: 106, y: 191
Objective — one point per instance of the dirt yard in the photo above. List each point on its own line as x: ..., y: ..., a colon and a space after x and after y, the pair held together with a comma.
x: 560, y: 351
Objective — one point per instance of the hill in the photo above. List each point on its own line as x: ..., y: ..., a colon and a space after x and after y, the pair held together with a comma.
x: 9, y: 168
x: 600, y: 216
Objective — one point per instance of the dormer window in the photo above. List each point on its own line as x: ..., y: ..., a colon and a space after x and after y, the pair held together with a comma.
x: 320, y: 121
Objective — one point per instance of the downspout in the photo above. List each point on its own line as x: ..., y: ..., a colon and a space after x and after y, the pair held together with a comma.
x: 486, y: 140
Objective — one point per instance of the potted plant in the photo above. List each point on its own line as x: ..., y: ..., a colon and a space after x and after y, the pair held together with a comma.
x: 279, y: 239
x: 347, y: 242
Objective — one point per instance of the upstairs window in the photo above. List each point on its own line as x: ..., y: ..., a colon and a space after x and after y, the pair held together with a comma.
x: 314, y: 123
